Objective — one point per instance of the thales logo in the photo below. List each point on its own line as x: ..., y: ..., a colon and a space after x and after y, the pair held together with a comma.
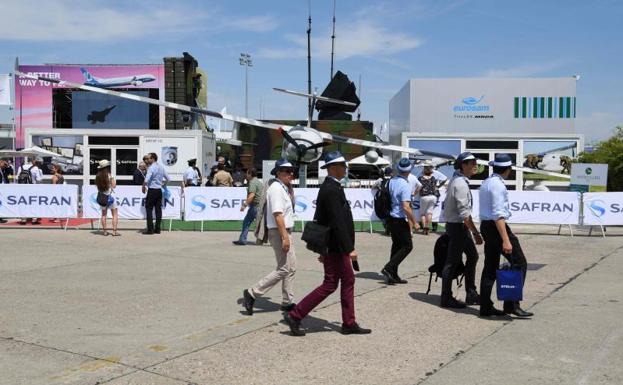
x: 597, y: 208
x: 471, y: 104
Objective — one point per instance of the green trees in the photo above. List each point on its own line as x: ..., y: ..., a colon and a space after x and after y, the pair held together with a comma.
x: 611, y: 152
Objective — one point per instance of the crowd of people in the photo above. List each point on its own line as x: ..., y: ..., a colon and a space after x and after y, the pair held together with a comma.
x: 275, y: 222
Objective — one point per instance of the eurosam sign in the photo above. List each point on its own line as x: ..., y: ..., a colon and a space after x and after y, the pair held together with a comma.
x: 587, y: 177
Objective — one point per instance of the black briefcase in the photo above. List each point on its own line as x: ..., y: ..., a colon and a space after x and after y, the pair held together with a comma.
x: 316, y: 236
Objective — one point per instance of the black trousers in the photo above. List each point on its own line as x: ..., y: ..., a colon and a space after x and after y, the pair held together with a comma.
x: 459, y: 241
x: 153, y: 201
x: 401, y: 243
x: 493, y: 250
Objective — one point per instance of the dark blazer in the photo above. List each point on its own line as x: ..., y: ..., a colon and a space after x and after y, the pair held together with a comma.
x: 333, y: 210
x: 138, y: 178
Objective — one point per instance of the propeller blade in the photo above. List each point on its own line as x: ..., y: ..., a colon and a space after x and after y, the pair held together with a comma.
x: 323, y: 98
x: 287, y: 137
x: 318, y: 145
x: 532, y: 170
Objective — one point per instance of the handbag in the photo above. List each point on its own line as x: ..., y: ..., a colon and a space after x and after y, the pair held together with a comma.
x: 316, y: 236
x: 102, y: 199
x: 509, y: 284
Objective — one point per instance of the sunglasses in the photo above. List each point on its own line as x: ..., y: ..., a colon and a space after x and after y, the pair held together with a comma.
x: 288, y: 170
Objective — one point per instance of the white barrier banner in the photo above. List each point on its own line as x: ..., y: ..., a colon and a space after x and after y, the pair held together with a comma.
x: 214, y: 203
x: 130, y: 203
x: 223, y: 203
x: 604, y: 208
x: 38, y: 201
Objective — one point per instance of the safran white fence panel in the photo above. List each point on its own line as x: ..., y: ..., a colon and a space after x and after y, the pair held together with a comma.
x: 38, y: 201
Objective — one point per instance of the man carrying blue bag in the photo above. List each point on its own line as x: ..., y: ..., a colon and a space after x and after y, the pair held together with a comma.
x: 499, y: 239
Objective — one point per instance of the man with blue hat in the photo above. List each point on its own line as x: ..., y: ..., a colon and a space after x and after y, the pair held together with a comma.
x: 499, y: 239
x: 333, y: 211
x: 459, y: 224
x: 279, y: 222
x: 401, y: 221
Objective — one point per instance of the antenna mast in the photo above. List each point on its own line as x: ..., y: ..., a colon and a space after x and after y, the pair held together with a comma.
x: 333, y: 41
x: 310, y: 105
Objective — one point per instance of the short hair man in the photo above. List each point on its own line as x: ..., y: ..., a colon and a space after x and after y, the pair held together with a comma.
x: 191, y: 176
x: 333, y: 211
x: 498, y: 237
x: 155, y: 180
x: 400, y: 222
x: 459, y: 224
x: 36, y: 177
x: 254, y: 197
x: 280, y: 222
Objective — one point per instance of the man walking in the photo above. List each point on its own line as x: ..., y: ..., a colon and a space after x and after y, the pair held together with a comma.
x: 459, y: 223
x: 279, y: 221
x: 333, y: 211
x: 498, y: 237
x: 254, y: 197
x: 30, y: 174
x: 155, y: 180
x: 400, y: 222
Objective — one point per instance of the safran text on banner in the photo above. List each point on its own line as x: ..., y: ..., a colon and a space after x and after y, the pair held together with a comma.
x: 38, y: 201
x: 130, y: 203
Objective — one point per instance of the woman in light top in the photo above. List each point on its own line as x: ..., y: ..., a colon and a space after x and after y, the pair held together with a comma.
x: 106, y: 184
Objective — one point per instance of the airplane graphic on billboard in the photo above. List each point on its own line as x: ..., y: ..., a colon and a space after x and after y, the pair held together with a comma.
x: 135, y: 80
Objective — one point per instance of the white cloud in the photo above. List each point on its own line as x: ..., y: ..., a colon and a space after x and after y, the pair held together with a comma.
x: 523, y: 70
x: 364, y: 37
x: 598, y: 125
x: 63, y: 20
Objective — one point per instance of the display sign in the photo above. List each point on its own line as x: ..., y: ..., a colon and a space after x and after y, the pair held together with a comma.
x: 173, y: 153
x: 603, y: 208
x: 130, y: 203
x: 587, y: 177
x: 38, y: 201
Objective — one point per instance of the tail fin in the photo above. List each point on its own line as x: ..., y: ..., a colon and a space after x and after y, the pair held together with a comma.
x: 87, y: 75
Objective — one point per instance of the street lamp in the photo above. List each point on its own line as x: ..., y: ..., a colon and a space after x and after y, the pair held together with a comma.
x: 245, y: 60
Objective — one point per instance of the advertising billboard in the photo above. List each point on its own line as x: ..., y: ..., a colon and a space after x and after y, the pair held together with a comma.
x: 173, y: 152
x: 42, y: 105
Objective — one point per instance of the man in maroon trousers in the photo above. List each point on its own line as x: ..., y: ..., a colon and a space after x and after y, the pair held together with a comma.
x: 333, y: 210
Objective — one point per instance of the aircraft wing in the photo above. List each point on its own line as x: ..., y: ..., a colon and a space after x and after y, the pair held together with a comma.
x: 532, y: 170
x: 233, y: 118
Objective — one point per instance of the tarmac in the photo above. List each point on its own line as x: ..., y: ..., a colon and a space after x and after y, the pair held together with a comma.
x: 77, y: 307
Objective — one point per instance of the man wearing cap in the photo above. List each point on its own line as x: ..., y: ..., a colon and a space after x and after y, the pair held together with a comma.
x: 333, y: 211
x: 499, y: 239
x: 401, y: 221
x: 459, y: 224
x: 191, y: 176
x: 279, y: 221
x: 155, y: 179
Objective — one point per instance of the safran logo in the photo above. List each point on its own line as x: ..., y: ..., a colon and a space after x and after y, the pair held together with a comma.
x: 300, y: 204
x: 597, y: 207
x: 198, y: 203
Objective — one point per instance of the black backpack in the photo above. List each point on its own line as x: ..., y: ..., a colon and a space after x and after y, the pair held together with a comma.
x: 440, y: 254
x: 383, y: 200
x: 24, y: 177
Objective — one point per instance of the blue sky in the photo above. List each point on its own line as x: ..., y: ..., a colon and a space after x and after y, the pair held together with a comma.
x: 384, y: 42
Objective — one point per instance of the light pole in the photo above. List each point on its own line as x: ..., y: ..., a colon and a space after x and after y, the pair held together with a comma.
x: 245, y: 60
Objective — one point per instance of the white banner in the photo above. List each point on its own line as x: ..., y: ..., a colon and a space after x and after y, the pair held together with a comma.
x: 130, y: 203
x: 603, y: 208
x: 38, y: 201
x: 529, y: 207
x: 5, y: 90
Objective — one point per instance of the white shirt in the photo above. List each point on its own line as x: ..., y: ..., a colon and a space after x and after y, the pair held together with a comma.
x: 278, y: 201
x: 412, y: 179
x: 494, y: 199
x: 192, y: 175
x: 35, y: 173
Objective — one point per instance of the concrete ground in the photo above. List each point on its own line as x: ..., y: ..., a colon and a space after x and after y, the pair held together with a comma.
x: 80, y: 308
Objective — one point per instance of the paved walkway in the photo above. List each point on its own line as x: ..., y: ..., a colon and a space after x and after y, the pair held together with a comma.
x: 81, y: 308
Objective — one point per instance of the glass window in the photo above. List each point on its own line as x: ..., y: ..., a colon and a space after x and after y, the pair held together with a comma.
x: 98, y: 154
x: 126, y: 161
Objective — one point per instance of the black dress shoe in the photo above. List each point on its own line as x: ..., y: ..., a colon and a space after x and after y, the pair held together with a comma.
x: 239, y: 243
x: 3, y: 220
x: 248, y: 301
x: 287, y: 307
x: 147, y: 232
x: 452, y: 303
x: 397, y: 279
x: 354, y: 329
x: 295, y: 325
x: 491, y: 312
x: 389, y: 278
x: 472, y: 298
x: 157, y: 231
x: 519, y: 312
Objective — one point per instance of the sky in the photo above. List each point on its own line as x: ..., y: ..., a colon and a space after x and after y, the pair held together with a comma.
x: 383, y: 43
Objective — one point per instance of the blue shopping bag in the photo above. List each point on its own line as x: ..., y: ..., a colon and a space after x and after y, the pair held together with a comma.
x: 509, y: 285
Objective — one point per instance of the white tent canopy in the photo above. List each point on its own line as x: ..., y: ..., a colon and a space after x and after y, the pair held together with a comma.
x: 30, y: 151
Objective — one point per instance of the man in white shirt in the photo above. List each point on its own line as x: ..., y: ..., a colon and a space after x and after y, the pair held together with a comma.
x: 191, y: 176
x: 280, y: 222
x: 30, y: 174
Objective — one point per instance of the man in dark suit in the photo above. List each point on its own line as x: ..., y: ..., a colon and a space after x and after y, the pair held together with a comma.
x: 333, y: 211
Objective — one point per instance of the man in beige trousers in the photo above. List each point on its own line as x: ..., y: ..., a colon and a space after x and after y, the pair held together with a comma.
x: 280, y: 222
